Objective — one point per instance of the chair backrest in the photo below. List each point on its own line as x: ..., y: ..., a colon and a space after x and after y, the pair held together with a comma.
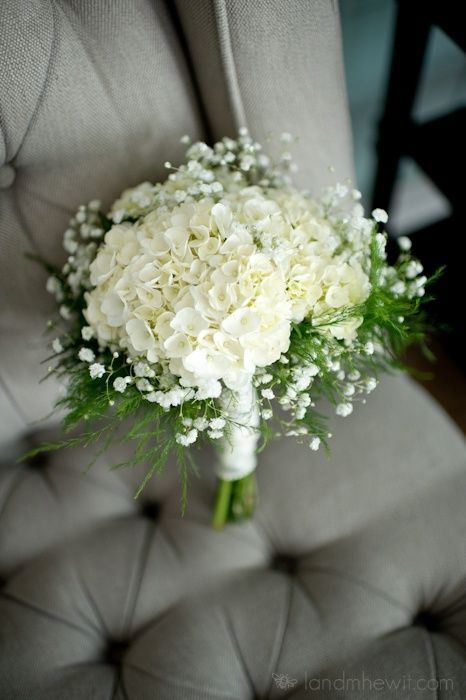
x: 94, y: 97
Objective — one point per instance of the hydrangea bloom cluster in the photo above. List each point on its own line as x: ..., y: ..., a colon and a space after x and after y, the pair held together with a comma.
x: 209, y: 290
x: 224, y: 285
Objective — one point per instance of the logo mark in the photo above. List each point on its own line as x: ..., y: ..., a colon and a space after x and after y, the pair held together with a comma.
x: 283, y: 681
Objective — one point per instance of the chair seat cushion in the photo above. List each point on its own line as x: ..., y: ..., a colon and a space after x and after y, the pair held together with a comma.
x: 354, y: 564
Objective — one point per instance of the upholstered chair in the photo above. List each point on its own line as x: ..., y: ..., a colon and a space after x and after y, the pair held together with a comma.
x: 354, y: 566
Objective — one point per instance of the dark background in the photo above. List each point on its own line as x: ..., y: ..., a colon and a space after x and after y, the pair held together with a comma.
x: 406, y: 76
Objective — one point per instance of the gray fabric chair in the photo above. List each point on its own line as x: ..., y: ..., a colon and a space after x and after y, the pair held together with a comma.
x: 351, y: 578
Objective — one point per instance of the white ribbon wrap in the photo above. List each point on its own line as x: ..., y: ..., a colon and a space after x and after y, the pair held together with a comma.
x: 237, y: 456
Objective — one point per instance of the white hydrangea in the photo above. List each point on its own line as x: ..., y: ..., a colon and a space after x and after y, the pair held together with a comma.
x: 208, y: 290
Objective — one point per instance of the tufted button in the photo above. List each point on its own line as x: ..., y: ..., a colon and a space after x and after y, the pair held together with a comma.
x: 427, y: 620
x: 151, y: 510
x: 115, y: 652
x: 7, y: 176
x: 285, y: 563
x: 38, y: 462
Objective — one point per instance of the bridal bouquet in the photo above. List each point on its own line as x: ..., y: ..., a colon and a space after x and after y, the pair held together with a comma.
x: 218, y: 306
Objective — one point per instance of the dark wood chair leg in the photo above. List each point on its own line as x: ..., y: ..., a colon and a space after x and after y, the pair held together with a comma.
x: 409, y: 46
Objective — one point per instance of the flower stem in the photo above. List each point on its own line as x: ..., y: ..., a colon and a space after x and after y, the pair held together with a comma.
x: 222, y: 503
x: 235, y: 500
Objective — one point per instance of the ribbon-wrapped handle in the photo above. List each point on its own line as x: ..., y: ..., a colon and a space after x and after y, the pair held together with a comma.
x: 236, y: 494
x: 237, y: 456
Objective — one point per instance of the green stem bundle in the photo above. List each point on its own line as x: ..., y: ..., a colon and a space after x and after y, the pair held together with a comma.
x: 235, y: 500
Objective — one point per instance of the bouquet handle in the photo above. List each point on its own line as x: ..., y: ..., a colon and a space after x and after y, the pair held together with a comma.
x: 236, y: 491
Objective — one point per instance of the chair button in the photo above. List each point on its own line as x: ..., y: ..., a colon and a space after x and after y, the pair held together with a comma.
x: 7, y: 176
x: 285, y: 563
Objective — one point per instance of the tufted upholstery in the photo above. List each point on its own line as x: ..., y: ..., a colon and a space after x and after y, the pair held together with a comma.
x: 355, y: 565
x: 355, y: 562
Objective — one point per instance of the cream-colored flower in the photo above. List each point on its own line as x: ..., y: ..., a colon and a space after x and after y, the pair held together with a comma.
x: 189, y: 321
x: 209, y: 289
x: 177, y: 345
x: 140, y: 335
x: 241, y: 321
